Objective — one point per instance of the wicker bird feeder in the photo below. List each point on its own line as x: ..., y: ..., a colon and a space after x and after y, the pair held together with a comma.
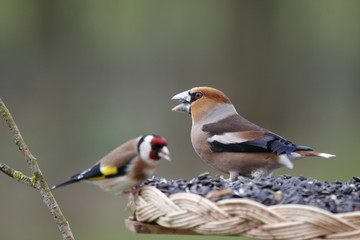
x: 189, y: 213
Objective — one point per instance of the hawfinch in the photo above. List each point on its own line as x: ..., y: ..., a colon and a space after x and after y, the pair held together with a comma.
x: 232, y: 144
x: 126, y: 166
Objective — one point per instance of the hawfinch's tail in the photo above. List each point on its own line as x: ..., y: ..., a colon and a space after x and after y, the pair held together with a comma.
x: 316, y: 154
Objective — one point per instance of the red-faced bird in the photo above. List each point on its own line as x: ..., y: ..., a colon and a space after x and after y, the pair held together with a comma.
x: 126, y: 166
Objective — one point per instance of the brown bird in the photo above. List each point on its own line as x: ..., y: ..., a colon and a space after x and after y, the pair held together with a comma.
x: 232, y: 144
x: 126, y: 166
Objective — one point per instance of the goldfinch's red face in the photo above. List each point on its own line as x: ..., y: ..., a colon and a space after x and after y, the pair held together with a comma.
x: 199, y: 100
x: 153, y: 147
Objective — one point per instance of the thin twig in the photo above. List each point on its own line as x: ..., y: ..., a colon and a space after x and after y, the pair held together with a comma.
x: 37, y: 180
x: 19, y: 176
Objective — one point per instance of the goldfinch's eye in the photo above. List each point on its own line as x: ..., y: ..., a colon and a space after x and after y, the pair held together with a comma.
x: 195, y: 96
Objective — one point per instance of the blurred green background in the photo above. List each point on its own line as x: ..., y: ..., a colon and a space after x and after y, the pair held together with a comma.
x: 82, y: 77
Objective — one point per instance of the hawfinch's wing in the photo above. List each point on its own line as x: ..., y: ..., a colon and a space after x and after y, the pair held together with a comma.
x: 244, y: 142
x: 236, y: 134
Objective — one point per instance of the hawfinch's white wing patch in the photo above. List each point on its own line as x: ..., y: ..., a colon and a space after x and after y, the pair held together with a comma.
x: 228, y: 138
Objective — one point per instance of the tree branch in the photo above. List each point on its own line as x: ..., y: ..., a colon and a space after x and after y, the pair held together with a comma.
x: 19, y: 176
x: 37, y: 181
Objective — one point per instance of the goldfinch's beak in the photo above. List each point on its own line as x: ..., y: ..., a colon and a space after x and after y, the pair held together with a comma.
x: 165, y: 153
x: 185, y: 104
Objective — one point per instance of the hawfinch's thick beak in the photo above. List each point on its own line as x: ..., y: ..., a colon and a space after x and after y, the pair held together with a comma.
x: 184, y: 98
x: 165, y: 153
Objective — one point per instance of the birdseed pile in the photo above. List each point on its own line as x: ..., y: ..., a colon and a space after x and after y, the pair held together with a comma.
x: 336, y: 197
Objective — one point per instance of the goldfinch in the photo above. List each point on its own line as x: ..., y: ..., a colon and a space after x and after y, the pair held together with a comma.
x: 230, y: 143
x: 126, y: 166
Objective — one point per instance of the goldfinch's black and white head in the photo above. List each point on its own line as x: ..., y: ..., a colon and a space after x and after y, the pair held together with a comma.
x: 152, y: 147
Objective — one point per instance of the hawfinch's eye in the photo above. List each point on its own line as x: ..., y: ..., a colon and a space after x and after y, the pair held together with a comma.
x: 195, y: 96
x: 198, y: 95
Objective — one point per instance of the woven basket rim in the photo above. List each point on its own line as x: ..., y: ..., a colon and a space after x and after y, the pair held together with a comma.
x: 237, y: 216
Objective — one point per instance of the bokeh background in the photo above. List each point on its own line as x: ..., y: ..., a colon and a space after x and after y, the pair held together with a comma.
x: 81, y: 77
